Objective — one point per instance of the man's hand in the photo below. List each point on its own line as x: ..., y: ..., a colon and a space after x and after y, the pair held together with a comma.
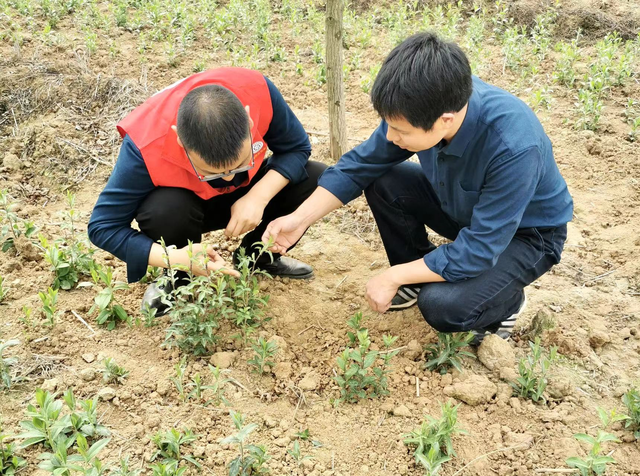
x: 380, y: 291
x: 215, y: 263
x: 285, y: 232
x: 246, y: 214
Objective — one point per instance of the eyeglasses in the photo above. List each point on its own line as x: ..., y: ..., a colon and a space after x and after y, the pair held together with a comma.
x: 208, y: 178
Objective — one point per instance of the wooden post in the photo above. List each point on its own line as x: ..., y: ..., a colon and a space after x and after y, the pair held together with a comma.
x: 335, y: 86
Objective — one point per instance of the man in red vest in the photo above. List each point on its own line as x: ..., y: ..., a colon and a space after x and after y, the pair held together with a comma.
x: 193, y: 160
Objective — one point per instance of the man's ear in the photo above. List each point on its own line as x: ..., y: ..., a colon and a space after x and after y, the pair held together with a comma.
x: 246, y: 108
x: 448, y: 119
x: 175, y: 129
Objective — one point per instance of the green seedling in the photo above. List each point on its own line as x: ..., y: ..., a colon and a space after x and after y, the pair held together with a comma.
x: 6, y: 363
x: 124, y: 469
x: 12, y: 226
x: 218, y: 387
x: 110, y: 313
x: 49, y: 302
x: 252, y: 458
x: 264, y: 351
x: 26, y: 318
x: 10, y: 462
x: 149, y: 316
x: 153, y: 273
x: 362, y: 375
x: 595, y: 463
x: 112, y: 372
x: 631, y: 399
x: 355, y: 323
x: 85, y: 421
x: 304, y: 435
x: 446, y: 354
x: 296, y: 453
x: 4, y: 292
x: 432, y: 441
x: 170, y: 446
x: 533, y: 371
x: 167, y: 469
x: 59, y: 461
x: 178, y: 380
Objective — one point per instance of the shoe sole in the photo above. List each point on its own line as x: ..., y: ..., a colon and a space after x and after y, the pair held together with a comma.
x: 400, y: 307
x: 291, y: 276
x: 478, y: 338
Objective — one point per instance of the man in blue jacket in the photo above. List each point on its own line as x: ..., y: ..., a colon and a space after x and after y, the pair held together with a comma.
x: 486, y: 180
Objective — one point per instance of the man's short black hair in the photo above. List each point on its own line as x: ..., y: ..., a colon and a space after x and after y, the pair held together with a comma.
x: 421, y: 79
x: 213, y: 123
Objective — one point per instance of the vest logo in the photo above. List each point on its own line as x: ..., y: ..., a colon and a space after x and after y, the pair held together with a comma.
x: 257, y: 146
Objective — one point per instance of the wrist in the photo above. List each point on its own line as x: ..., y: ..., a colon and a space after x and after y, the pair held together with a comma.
x: 394, y: 276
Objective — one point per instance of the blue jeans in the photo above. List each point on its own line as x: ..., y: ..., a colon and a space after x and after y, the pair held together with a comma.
x: 403, y: 202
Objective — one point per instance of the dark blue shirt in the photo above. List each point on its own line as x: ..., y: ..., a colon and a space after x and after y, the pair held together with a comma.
x: 496, y: 175
x: 129, y: 184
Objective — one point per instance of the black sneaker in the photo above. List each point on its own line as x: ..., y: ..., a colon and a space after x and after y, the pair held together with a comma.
x: 406, y: 297
x: 282, y: 266
x: 503, y: 329
x: 155, y: 297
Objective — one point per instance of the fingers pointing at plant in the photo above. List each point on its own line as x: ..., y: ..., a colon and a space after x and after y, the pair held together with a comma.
x: 217, y: 263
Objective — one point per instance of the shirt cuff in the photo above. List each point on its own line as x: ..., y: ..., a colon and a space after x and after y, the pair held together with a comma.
x: 138, y: 249
x: 436, y: 261
x: 340, y: 185
x: 290, y: 166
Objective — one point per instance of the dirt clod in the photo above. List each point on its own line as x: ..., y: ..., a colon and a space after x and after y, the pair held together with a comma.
x: 475, y: 390
x: 598, y: 339
x: 106, y: 394
x: 496, y: 353
x: 402, y: 411
x: 224, y: 360
x: 88, y: 374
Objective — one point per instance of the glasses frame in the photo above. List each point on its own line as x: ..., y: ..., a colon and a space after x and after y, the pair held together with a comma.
x: 208, y: 178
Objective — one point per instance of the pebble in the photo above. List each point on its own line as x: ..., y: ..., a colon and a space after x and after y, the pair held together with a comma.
x: 88, y: 375
x: 106, y: 394
x: 402, y: 411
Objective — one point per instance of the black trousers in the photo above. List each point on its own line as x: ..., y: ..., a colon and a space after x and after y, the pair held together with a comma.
x: 179, y: 215
x: 403, y: 202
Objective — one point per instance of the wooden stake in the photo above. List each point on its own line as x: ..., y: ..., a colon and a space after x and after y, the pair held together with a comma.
x: 335, y: 86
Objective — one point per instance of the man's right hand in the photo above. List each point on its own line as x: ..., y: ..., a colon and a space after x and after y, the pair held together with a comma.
x: 284, y: 232
x: 180, y: 257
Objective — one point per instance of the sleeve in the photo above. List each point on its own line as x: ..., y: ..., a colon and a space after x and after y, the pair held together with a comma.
x: 509, y: 187
x: 362, y: 165
x: 287, y: 139
x: 110, y: 224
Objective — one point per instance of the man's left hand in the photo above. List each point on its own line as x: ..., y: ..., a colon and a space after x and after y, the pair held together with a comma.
x: 246, y: 213
x: 380, y: 291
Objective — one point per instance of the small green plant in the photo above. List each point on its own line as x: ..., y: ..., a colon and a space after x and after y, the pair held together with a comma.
x: 11, y: 226
x: 26, y: 318
x: 264, y: 351
x: 6, y: 363
x: 366, y: 83
x: 178, y: 380
x: 595, y: 463
x: 533, y: 371
x: 170, y: 446
x: 446, y: 353
x: 124, y: 469
x: 589, y: 107
x: 252, y: 458
x: 432, y: 441
x: 631, y: 399
x: 112, y: 372
x: 296, y: 453
x: 49, y: 302
x: 10, y: 463
x: 4, y: 292
x: 85, y: 461
x: 149, y: 316
x: 362, y: 375
x: 167, y: 469
x: 218, y: 387
x: 110, y: 313
x: 304, y: 435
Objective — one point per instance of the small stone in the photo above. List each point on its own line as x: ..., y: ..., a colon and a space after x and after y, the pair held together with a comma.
x: 282, y: 442
x: 88, y: 358
x: 515, y: 403
x: 164, y: 387
x: 308, y: 464
x: 508, y: 374
x: 106, y: 394
x: 625, y: 333
x: 560, y: 387
x: 413, y: 350
x: 12, y: 162
x: 87, y: 375
x: 598, y: 339
x: 283, y: 370
x: 447, y: 379
x: 309, y: 382
x: 270, y: 422
x: 50, y: 385
x: 401, y: 411
x: 475, y: 390
x: 521, y: 440
x: 223, y: 360
x: 496, y: 353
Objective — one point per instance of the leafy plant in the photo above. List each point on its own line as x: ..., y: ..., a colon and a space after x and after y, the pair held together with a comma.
x: 10, y: 462
x: 446, y: 353
x: 49, y: 302
x: 6, y: 363
x: 595, y: 463
x: 85, y: 461
x: 124, y: 470
x: 432, y: 440
x: 252, y: 458
x: 178, y: 380
x: 110, y: 313
x: 264, y: 351
x: 112, y: 372
x: 11, y: 226
x: 167, y: 469
x: 170, y: 447
x: 533, y: 371
x: 631, y: 399
x: 361, y: 373
x: 296, y: 453
x: 218, y: 387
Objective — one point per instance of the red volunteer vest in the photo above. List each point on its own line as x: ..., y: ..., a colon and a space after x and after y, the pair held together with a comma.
x: 149, y: 127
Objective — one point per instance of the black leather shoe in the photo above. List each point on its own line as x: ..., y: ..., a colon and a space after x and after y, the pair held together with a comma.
x: 153, y: 298
x: 286, y: 267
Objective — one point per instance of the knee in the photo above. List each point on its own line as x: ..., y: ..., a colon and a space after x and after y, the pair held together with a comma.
x: 315, y: 170
x: 443, y: 308
x: 170, y: 213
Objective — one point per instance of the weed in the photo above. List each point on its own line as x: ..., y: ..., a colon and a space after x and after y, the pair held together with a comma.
x: 10, y: 463
x: 6, y: 363
x: 112, y: 372
x: 4, y: 292
x: 252, y: 458
x: 170, y: 447
x: 11, y: 226
x: 595, y: 463
x: 533, y: 371
x: 360, y: 374
x: 446, y: 353
x: 631, y: 399
x: 153, y: 273
x: 432, y: 441
x: 110, y: 313
x: 49, y: 303
x: 264, y: 351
